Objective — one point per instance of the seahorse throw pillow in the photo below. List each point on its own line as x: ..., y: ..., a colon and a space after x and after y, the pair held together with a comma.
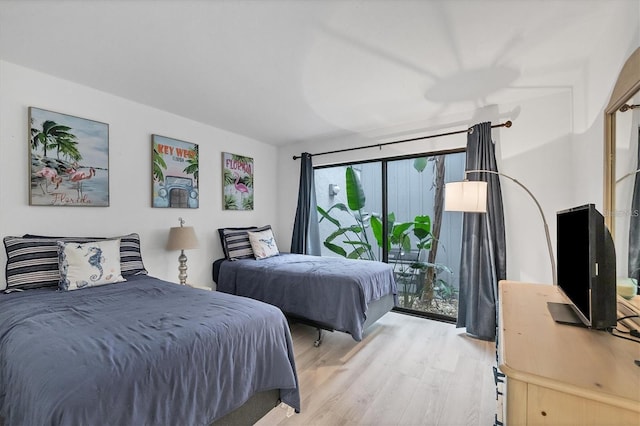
x: 89, y: 264
x: 263, y: 244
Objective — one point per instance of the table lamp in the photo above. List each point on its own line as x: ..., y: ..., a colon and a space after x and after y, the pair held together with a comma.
x: 182, y: 238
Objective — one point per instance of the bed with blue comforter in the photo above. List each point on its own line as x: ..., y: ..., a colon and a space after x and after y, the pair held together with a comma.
x: 332, y: 293
x: 140, y: 352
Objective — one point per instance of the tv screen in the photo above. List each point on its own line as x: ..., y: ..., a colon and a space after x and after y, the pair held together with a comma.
x: 586, y: 265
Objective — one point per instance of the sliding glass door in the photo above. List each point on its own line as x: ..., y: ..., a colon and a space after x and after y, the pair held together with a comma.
x: 425, y: 240
x: 348, y: 197
x: 418, y: 237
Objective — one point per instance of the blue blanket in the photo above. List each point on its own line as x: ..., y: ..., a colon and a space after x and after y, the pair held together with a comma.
x: 328, y: 290
x: 142, y: 352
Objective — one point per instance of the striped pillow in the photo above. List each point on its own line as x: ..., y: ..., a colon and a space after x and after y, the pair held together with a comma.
x: 32, y: 260
x: 235, y: 242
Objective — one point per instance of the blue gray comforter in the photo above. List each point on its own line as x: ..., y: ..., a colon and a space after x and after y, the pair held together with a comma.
x: 328, y: 290
x: 142, y: 352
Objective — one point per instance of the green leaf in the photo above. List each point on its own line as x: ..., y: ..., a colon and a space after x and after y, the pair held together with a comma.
x: 325, y: 215
x: 406, y: 244
x: 400, y: 229
x: 355, y: 193
x: 339, y: 206
x: 422, y: 219
x: 358, y: 243
x: 357, y: 253
x: 336, y: 249
x: 421, y: 231
x: 422, y: 227
x: 391, y: 219
x: 424, y: 245
x: 420, y: 164
x: 355, y: 228
x: 336, y: 233
x: 376, y: 227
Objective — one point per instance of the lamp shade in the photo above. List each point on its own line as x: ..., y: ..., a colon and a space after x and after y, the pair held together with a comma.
x: 466, y: 196
x: 182, y: 238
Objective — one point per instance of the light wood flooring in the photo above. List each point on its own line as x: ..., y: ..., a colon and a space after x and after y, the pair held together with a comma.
x: 406, y: 371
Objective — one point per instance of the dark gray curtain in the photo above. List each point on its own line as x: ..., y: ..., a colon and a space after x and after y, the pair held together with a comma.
x: 483, y: 261
x: 634, y: 225
x: 305, y: 238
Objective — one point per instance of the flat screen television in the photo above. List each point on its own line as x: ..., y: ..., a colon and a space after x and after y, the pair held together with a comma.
x: 586, y: 262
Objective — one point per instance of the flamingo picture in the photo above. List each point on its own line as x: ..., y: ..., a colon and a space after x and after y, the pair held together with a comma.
x: 48, y: 174
x: 78, y: 176
x: 240, y: 187
x: 237, y: 182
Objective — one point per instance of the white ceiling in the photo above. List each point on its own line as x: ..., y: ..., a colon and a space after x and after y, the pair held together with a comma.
x: 286, y: 71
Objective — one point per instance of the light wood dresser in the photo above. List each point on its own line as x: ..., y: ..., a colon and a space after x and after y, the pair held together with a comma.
x: 560, y: 374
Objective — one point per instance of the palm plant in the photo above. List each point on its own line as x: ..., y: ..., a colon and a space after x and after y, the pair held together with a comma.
x: 356, y: 238
x: 247, y: 203
x: 228, y: 177
x: 248, y: 180
x: 230, y: 202
x: 54, y: 135
x: 418, y: 236
x: 158, y: 165
x: 193, y: 165
x: 68, y: 148
x: 411, y: 275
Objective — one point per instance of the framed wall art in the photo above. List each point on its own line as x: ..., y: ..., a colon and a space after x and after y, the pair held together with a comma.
x: 175, y: 173
x: 69, y: 160
x: 237, y: 182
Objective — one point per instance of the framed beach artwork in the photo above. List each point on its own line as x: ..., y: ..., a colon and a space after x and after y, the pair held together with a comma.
x: 175, y: 173
x: 69, y: 160
x: 237, y: 182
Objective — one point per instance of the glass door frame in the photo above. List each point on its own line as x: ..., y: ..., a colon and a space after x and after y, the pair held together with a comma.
x: 385, y: 211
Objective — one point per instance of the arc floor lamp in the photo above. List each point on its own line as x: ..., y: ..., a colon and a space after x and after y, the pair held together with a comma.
x: 471, y: 197
x: 627, y: 175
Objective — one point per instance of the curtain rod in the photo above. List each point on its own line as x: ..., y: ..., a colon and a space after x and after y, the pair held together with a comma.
x: 506, y: 124
x: 627, y: 107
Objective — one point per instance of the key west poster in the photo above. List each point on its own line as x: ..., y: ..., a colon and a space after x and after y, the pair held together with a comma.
x: 175, y: 173
x: 237, y: 181
x: 69, y: 159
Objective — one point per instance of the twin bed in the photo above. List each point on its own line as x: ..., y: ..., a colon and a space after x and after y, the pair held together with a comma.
x: 329, y: 293
x: 138, y: 352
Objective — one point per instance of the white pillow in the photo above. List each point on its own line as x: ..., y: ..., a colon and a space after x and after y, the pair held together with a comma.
x: 263, y: 244
x: 89, y: 264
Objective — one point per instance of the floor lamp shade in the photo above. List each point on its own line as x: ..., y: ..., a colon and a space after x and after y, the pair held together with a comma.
x: 466, y: 196
x: 471, y: 196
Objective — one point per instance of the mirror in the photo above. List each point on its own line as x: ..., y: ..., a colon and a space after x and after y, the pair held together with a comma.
x: 621, y: 162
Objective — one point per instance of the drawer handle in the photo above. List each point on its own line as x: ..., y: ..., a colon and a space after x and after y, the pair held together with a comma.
x: 498, y: 376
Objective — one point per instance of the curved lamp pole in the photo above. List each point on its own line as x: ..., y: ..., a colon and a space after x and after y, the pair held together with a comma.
x: 478, y: 203
x: 627, y: 175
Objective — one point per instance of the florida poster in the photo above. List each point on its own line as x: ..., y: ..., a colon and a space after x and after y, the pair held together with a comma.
x: 237, y: 178
x: 175, y: 173
x: 69, y: 160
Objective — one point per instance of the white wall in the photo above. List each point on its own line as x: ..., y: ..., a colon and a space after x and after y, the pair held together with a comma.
x: 536, y: 151
x: 554, y: 148
x: 592, y: 94
x: 130, y: 128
